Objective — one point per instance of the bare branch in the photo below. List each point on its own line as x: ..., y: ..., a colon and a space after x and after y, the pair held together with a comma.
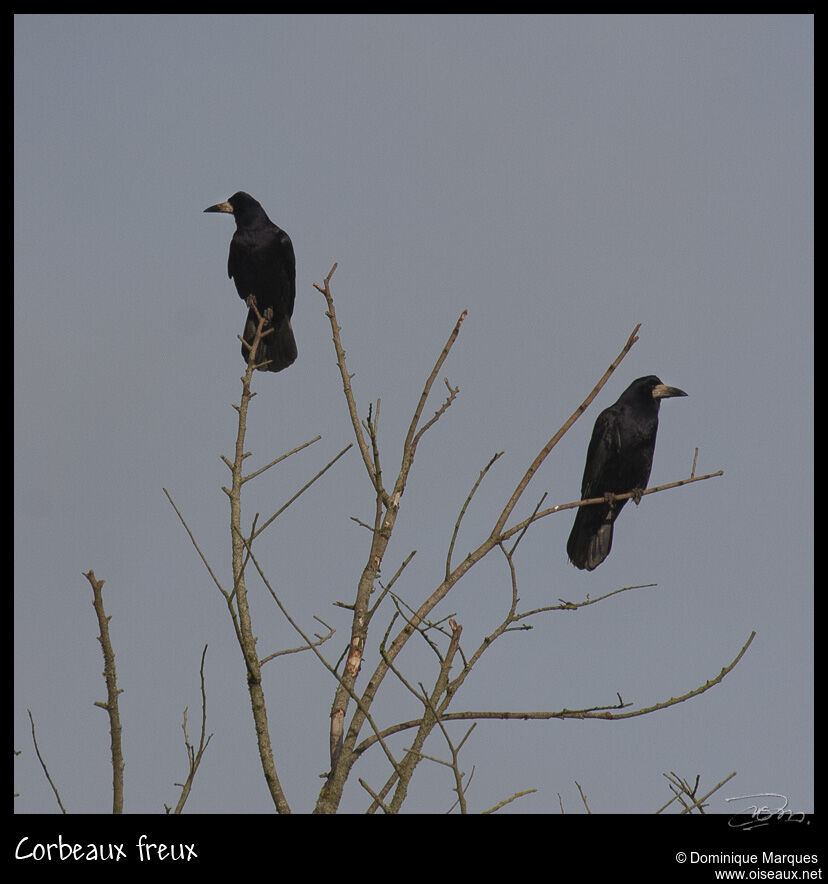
x: 680, y: 787
x: 112, y: 691
x: 279, y: 459
x: 310, y: 645
x: 402, y: 775
x: 373, y: 433
x: 471, y: 559
x: 513, y: 798
x: 413, y: 437
x: 373, y: 794
x: 542, y: 454
x: 453, y: 391
x: 243, y: 623
x: 583, y: 797
x: 700, y: 801
x: 301, y: 491
x: 573, y: 606
x: 43, y: 764
x: 600, y: 713
x: 455, y: 753
x: 321, y: 639
x: 194, y: 756
x: 228, y: 597
x: 383, y: 528
x: 520, y: 526
x: 343, y: 738
x: 203, y: 558
x: 261, y: 332
x: 362, y: 524
x: 465, y: 507
x: 325, y: 289
x: 387, y: 588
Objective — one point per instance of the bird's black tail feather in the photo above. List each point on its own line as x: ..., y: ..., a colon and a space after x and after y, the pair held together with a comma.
x: 278, y: 349
x: 590, y: 540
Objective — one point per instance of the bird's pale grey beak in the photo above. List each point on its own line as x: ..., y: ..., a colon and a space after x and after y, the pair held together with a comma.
x: 662, y: 391
x: 221, y: 207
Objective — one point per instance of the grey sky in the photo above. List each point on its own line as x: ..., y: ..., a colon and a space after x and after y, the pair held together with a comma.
x: 562, y: 178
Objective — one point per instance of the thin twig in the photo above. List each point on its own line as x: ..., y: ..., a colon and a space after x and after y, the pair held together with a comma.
x: 325, y: 289
x: 520, y: 526
x: 497, y: 530
x: 455, y: 755
x: 321, y: 639
x: 279, y: 459
x: 465, y: 506
x: 573, y: 606
x: 413, y: 436
x: 203, y: 558
x: 387, y: 588
x: 194, y: 756
x: 43, y: 764
x: 708, y: 794
x: 452, y: 394
x: 583, y: 797
x: 431, y: 715
x: 301, y: 491
x: 513, y: 798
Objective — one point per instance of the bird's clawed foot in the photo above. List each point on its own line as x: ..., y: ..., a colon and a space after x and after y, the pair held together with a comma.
x: 637, y: 494
x: 266, y: 314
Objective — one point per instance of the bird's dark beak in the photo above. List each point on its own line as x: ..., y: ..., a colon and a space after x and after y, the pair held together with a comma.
x: 662, y: 391
x: 221, y: 207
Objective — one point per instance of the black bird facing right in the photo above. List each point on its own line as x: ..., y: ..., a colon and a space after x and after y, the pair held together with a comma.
x: 263, y: 267
x: 619, y: 460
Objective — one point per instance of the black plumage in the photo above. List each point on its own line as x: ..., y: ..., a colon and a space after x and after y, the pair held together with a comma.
x: 619, y: 460
x: 263, y: 267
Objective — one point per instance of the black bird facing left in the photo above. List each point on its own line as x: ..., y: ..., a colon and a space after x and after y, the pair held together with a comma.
x: 263, y: 267
x: 619, y: 460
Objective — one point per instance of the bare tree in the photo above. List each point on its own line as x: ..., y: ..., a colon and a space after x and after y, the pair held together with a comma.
x: 346, y: 746
x: 381, y: 616
x: 353, y: 729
